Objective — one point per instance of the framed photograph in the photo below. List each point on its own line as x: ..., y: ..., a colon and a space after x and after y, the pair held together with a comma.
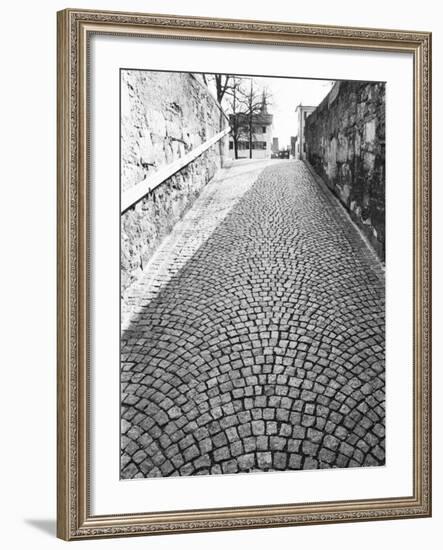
x: 243, y: 274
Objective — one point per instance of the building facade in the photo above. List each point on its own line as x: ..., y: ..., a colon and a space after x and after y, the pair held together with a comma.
x: 261, y: 134
x: 275, y: 146
x: 302, y: 111
x: 293, y: 146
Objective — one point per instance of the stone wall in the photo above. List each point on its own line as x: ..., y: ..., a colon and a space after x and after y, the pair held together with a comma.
x: 164, y: 116
x: 345, y: 138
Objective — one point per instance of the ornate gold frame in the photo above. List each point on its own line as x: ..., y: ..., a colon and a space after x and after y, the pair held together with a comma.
x: 74, y: 518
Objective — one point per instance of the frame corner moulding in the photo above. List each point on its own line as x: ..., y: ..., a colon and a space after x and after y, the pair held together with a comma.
x: 75, y: 29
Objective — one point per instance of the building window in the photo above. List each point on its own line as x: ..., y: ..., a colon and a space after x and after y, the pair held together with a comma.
x: 231, y: 145
x: 261, y: 145
x: 264, y: 129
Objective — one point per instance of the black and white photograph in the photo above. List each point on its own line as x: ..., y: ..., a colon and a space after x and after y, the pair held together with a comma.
x: 227, y: 342
x: 252, y: 274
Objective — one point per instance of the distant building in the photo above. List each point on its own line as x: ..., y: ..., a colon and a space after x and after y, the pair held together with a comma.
x: 261, y: 137
x: 293, y: 145
x: 303, y: 111
x: 275, y: 146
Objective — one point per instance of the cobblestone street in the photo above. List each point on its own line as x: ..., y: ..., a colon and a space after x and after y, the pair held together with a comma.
x: 255, y: 339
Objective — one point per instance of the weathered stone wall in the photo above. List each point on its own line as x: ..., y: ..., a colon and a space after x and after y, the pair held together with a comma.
x: 164, y: 116
x: 145, y: 224
x: 345, y: 139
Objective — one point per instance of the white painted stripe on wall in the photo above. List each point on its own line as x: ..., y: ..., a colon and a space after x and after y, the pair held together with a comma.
x: 133, y: 195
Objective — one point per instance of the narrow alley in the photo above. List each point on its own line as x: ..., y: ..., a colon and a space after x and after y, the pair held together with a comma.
x: 254, y: 340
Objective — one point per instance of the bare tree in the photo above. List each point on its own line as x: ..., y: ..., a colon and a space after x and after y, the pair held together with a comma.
x: 235, y: 96
x: 244, y: 100
x: 255, y: 103
x: 223, y: 83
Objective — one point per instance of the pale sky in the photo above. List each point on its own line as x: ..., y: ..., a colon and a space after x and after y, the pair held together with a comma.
x: 286, y: 94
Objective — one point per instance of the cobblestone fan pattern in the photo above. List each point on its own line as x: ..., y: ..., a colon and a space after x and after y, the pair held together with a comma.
x: 213, y: 204
x: 266, y: 350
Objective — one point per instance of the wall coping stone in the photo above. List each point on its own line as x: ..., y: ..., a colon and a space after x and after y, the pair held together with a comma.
x: 137, y: 192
